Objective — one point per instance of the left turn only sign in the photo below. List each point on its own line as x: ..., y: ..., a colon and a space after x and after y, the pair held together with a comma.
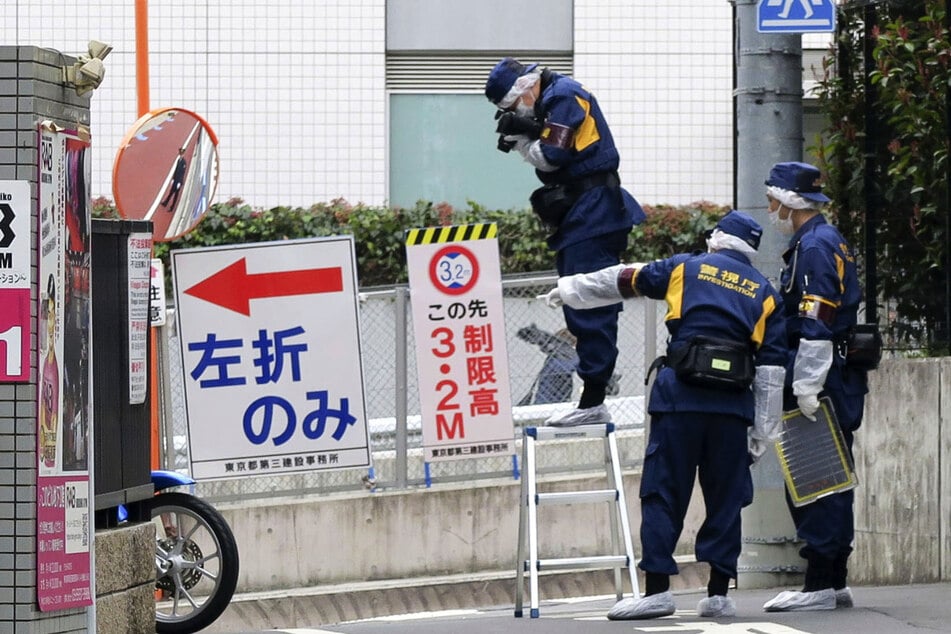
x: 270, y: 343
x: 15, y: 324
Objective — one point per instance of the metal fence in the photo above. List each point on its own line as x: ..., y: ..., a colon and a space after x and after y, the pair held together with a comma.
x: 392, y: 396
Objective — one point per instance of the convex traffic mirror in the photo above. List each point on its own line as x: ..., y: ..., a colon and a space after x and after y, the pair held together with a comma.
x: 166, y: 171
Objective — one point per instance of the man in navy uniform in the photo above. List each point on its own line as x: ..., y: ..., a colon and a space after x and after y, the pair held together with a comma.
x: 715, y: 406
x: 557, y: 126
x: 178, y: 179
x: 821, y: 295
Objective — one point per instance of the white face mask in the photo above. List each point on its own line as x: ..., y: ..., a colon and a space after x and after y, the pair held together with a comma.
x: 785, y: 227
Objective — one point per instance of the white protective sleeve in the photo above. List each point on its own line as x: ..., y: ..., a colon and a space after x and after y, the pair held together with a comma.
x: 812, y: 364
x: 531, y: 151
x: 768, y: 399
x: 591, y: 290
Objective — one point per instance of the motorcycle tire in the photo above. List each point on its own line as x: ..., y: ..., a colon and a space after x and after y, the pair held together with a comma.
x: 196, y: 563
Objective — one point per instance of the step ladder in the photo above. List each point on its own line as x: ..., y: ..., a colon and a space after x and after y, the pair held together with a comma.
x: 622, y: 555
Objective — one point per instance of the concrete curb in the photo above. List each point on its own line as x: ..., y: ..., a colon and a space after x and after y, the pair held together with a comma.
x: 312, y: 607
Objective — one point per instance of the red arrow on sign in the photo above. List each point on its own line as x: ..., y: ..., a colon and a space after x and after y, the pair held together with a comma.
x: 233, y: 288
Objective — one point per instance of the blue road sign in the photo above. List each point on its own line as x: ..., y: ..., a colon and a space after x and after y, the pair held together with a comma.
x: 795, y: 16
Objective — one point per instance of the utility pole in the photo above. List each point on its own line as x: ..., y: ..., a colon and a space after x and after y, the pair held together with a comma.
x: 768, y: 130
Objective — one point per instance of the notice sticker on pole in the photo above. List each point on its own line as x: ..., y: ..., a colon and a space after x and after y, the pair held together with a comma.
x: 456, y: 296
x: 157, y: 293
x: 139, y: 279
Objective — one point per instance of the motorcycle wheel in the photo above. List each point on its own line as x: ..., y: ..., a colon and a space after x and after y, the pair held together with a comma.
x: 196, y: 563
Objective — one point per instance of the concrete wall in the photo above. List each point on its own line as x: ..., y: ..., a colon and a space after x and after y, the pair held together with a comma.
x: 305, y: 542
x: 902, y: 454
x: 902, y: 503
x: 125, y: 579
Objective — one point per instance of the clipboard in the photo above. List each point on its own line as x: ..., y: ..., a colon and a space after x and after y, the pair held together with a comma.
x: 813, y: 456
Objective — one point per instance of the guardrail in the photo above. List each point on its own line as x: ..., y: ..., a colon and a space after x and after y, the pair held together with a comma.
x: 391, y: 395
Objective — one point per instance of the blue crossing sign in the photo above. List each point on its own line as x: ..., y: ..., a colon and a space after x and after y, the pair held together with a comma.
x: 795, y: 16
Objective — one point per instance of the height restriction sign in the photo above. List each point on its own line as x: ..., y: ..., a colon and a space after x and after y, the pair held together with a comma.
x: 456, y: 296
x: 271, y: 355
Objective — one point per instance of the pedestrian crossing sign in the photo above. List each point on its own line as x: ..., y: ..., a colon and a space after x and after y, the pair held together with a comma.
x: 795, y: 16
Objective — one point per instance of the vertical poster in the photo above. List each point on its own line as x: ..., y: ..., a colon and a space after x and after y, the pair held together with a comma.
x: 456, y: 295
x: 64, y: 433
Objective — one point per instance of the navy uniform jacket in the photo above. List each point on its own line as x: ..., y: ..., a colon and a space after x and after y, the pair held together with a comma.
x: 576, y: 139
x: 179, y: 176
x: 821, y: 295
x: 717, y: 295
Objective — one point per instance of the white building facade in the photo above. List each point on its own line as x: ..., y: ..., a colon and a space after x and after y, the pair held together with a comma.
x: 380, y: 101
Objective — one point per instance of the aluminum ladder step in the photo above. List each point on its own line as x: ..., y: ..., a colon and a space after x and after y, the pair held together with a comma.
x: 599, y: 430
x: 581, y: 563
x: 576, y: 497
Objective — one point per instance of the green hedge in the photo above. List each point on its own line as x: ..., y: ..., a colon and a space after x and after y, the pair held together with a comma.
x: 379, y: 231
x: 907, y: 149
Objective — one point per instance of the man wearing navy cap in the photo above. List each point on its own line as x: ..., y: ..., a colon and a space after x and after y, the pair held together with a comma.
x: 715, y: 406
x: 558, y: 127
x: 821, y: 296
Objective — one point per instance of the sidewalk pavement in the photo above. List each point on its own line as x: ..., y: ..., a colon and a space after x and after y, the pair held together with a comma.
x: 324, y: 605
x: 926, y: 606
x: 910, y: 609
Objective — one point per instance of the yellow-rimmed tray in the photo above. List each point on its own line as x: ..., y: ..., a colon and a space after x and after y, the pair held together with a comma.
x: 813, y: 455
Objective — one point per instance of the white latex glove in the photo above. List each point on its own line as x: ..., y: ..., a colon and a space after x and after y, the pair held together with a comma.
x: 808, y: 404
x: 758, y: 447
x: 521, y: 142
x: 531, y: 151
x: 553, y: 298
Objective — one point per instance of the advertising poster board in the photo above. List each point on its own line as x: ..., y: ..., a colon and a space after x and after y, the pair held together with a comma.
x: 64, y: 429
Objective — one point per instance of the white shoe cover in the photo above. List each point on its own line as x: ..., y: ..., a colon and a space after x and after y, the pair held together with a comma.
x: 843, y: 598
x: 792, y: 601
x: 588, y: 416
x: 717, y: 605
x: 649, y: 607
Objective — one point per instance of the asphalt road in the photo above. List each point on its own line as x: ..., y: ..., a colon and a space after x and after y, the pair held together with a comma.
x: 878, y: 610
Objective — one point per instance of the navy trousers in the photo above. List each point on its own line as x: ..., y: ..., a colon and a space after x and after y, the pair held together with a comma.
x: 681, y: 447
x: 595, y: 328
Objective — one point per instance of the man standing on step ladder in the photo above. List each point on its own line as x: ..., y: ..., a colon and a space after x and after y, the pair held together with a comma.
x: 557, y: 126
x: 715, y: 406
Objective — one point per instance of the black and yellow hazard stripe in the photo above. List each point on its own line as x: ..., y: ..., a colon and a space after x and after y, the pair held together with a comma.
x: 456, y: 233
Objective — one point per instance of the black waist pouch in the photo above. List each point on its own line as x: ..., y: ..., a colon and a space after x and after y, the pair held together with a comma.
x: 552, y: 202
x: 712, y: 362
x: 864, y: 347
